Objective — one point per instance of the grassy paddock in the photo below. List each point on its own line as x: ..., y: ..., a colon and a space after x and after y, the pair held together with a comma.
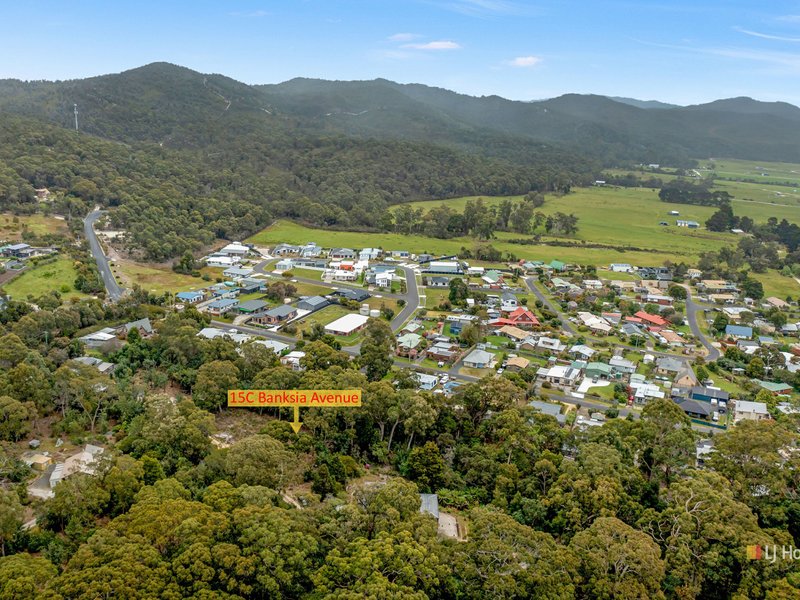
x: 156, y: 280
x: 41, y: 279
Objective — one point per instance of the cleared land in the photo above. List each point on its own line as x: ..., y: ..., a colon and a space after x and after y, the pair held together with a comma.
x: 12, y: 226
x: 41, y: 279
x: 155, y: 280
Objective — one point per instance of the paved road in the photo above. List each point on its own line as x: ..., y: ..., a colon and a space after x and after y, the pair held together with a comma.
x: 565, y: 324
x: 693, y: 311
x: 113, y: 290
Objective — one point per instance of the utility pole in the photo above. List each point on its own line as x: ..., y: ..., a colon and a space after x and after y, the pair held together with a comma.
x: 76, y: 117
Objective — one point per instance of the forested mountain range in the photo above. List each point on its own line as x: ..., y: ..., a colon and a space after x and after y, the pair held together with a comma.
x: 188, y: 157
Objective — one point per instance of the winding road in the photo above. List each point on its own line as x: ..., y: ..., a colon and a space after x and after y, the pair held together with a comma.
x: 113, y: 290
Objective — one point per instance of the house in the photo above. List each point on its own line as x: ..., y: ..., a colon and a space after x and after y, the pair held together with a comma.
x: 143, y: 326
x: 685, y: 378
x: 312, y: 303
x: 286, y: 250
x: 514, y: 333
x: 559, y: 375
x: 426, y: 382
x: 408, y: 343
x: 652, y: 321
x: 222, y: 261
x: 221, y: 306
x: 703, y: 449
x: 384, y: 280
x: 707, y: 394
x: 551, y: 345
x: 440, y: 282
x: 776, y: 388
x: 292, y: 360
x: 400, y: 254
x: 446, y: 352
x: 341, y: 275
x: 717, y: 286
x: 283, y: 265
x: 492, y: 278
x: 523, y: 318
x: 739, y: 332
x: 620, y: 268
x: 279, y: 314
x: 735, y: 313
x: 310, y: 250
x: 251, y: 285
x: 631, y: 329
x: 424, y: 258
x: 777, y: 303
x: 316, y: 264
x: 622, y: 365
x: 669, y: 337
x: 234, y: 249
x: 342, y: 254
x: 99, y: 339
x: 517, y: 363
x: 598, y: 370
x: 106, y: 368
x: 694, y: 408
x: 351, y: 294
x: 479, y: 359
x: 274, y: 345
x: 16, y: 250
x: 689, y: 224
x: 547, y: 408
x: 508, y: 302
x: 656, y: 273
x: 252, y: 306
x: 475, y: 271
x: 444, y: 267
x: 557, y: 265
x: 594, y: 323
x: 749, y: 411
x: 84, y: 461
x: 369, y: 254
x: 347, y: 325
x: 190, y: 297
x: 642, y: 391
x: 669, y: 365
x: 211, y: 333
x: 582, y: 351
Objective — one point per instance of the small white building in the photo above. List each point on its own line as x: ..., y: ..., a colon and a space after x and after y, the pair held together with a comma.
x: 223, y: 261
x: 292, y: 360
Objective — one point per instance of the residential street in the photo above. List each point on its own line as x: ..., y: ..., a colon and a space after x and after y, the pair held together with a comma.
x: 113, y: 289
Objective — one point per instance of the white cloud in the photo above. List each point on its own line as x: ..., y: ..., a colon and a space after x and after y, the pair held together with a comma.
x: 436, y: 45
x: 252, y: 13
x: 403, y: 37
x: 767, y: 36
x: 525, y: 61
x: 790, y: 18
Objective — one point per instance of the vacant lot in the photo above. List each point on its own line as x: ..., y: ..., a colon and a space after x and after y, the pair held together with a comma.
x: 155, y: 280
x: 12, y: 227
x: 323, y: 317
x: 35, y: 281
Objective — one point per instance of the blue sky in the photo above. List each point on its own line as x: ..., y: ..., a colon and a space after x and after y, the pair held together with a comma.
x: 672, y: 50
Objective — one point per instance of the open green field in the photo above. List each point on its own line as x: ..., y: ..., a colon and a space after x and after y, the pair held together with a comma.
x: 155, y: 280
x: 748, y: 169
x: 776, y: 284
x: 38, y: 280
x: 12, y: 226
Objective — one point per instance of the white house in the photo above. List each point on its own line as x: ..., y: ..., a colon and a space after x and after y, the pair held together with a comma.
x: 369, y: 254
x: 223, y: 261
x: 284, y: 265
x: 292, y: 360
x: 621, y: 268
x: 425, y: 381
x: 347, y: 324
x: 234, y: 249
x: 559, y: 374
x: 479, y: 359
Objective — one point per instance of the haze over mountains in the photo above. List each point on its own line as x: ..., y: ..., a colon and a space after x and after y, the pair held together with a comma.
x: 167, y: 104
